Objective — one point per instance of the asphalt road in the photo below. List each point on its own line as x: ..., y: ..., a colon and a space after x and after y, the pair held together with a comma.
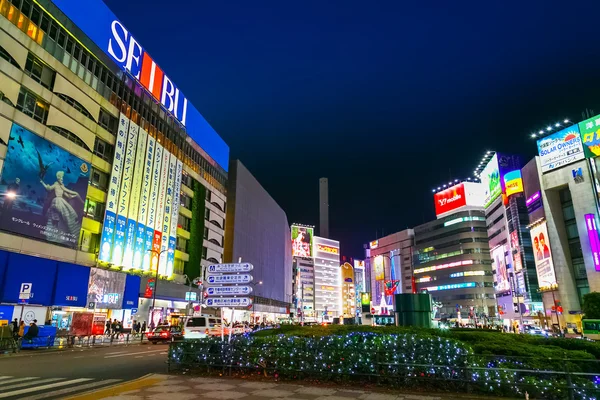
x: 59, y: 374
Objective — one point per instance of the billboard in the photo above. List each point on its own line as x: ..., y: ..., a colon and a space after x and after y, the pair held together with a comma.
x: 302, y: 240
x: 490, y: 178
x: 379, y: 268
x: 457, y: 196
x: 501, y: 277
x: 43, y: 189
x: 560, y: 148
x: 516, y: 251
x: 590, y: 135
x: 106, y: 289
x: 513, y: 182
x: 543, y: 256
x: 592, y: 230
x: 118, y: 43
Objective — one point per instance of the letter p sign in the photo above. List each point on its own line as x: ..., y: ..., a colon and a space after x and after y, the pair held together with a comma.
x: 25, y: 292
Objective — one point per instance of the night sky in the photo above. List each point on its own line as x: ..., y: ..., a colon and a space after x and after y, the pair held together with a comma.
x: 387, y: 99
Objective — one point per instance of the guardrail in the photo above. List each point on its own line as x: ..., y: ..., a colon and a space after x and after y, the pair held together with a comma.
x: 72, y: 341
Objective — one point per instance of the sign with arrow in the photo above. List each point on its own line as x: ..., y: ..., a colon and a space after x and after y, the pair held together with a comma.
x: 228, y: 302
x: 229, y: 279
x: 230, y: 268
x: 228, y: 290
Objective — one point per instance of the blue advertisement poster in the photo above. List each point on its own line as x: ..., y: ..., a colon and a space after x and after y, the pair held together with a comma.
x: 42, y: 189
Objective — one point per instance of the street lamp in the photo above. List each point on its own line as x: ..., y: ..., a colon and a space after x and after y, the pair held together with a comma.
x: 156, y: 278
x: 253, y: 297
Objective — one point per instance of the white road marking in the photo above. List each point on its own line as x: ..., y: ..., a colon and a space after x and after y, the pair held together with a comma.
x: 61, y: 392
x: 16, y: 380
x: 139, y: 356
x: 116, y: 352
x: 79, y: 357
x: 5, y: 377
x: 29, y: 383
x: 133, y: 354
x: 43, y: 387
x: 164, y: 352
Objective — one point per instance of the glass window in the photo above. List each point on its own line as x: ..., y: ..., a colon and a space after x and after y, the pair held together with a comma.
x: 30, y: 105
x: 76, y: 105
x: 99, y: 179
x: 108, y: 122
x: 70, y: 135
x: 204, y: 252
x: 39, y: 72
x: 104, y: 150
x: 93, y: 209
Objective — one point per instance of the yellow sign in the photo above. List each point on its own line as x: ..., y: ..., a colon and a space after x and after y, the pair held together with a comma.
x: 374, y: 244
x: 379, y: 268
x: 328, y: 249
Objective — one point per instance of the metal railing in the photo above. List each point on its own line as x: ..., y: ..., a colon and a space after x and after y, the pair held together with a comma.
x: 73, y: 341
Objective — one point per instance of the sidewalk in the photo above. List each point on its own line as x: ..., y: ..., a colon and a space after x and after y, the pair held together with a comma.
x: 60, y: 344
x: 156, y: 387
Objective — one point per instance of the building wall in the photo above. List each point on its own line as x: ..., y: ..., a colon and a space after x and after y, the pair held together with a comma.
x: 328, y: 285
x: 259, y: 233
x: 447, y: 251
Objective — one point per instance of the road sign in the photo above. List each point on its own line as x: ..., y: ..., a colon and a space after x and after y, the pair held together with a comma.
x: 228, y: 302
x: 229, y: 279
x: 229, y: 268
x: 228, y: 290
x: 134, y: 311
x: 92, y: 305
x: 191, y: 296
x: 25, y: 292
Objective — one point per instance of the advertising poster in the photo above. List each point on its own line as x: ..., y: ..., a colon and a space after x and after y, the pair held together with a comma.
x: 543, y: 256
x: 142, y: 175
x: 81, y: 324
x: 106, y: 289
x: 450, y: 199
x: 144, y: 237
x: 302, y: 240
x: 590, y: 135
x: 516, y: 251
x: 592, y: 230
x: 490, y: 178
x: 125, y: 196
x: 43, y: 189
x: 152, y: 211
x: 166, y: 226
x: 501, y: 276
x: 174, y: 216
x: 560, y: 149
x: 513, y: 182
x: 110, y: 215
x: 379, y: 268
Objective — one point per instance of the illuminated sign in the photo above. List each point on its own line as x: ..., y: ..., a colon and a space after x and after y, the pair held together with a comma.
x: 443, y: 266
x: 359, y: 264
x: 328, y: 249
x: 499, y: 264
x: 374, y: 244
x: 490, y: 178
x: 560, y: 149
x: 328, y: 288
x: 450, y: 287
x: 513, y: 183
x: 590, y: 134
x: 450, y: 199
x: 302, y: 240
x: 118, y: 43
x: 379, y: 268
x: 543, y: 256
x: 592, y: 229
x: 467, y: 273
x: 425, y: 279
x: 532, y: 198
x: 463, y: 219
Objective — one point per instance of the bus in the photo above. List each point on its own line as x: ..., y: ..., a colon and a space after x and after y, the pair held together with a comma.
x: 591, y: 328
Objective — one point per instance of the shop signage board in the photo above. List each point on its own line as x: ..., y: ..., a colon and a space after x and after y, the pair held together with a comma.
x: 229, y: 302
x: 25, y: 292
x: 229, y: 279
x: 228, y: 290
x: 230, y: 268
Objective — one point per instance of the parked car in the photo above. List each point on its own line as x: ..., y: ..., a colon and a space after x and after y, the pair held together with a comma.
x: 165, y: 334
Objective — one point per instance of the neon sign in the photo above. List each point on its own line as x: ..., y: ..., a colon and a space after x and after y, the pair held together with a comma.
x: 328, y: 249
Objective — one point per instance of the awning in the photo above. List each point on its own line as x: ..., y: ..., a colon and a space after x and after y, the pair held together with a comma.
x: 71, y: 285
x: 37, y: 275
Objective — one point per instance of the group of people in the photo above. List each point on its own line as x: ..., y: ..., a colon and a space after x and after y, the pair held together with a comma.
x: 115, y: 327
x: 18, y: 330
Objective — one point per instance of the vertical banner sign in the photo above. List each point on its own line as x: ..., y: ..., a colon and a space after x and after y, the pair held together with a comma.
x: 108, y: 227
x: 142, y: 246
x: 167, y: 214
x: 160, y: 208
x: 152, y: 260
x: 125, y: 195
x: 592, y: 230
x: 134, y: 204
x: 174, y: 216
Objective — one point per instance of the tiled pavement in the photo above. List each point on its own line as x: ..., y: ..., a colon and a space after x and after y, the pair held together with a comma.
x: 186, y: 388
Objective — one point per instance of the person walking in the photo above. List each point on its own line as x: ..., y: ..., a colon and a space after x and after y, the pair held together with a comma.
x: 144, y: 327
x: 108, y: 325
x: 15, y: 329
x: 134, y: 327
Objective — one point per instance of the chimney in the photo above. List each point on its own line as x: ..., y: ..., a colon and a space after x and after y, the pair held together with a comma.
x: 324, y: 207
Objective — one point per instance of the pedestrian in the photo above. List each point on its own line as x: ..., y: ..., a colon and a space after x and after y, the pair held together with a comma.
x: 138, y: 328
x: 144, y: 327
x: 15, y: 329
x: 33, y: 331
x: 113, y: 326
x: 134, y: 327
x: 108, y: 325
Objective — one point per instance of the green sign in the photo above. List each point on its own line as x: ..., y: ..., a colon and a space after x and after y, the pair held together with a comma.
x: 490, y: 178
x: 590, y: 135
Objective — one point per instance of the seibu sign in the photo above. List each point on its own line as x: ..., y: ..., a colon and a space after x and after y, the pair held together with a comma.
x: 450, y: 199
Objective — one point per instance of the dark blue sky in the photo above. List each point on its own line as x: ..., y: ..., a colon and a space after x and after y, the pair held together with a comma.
x: 387, y: 99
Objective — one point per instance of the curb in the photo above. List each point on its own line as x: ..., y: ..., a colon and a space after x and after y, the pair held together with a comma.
x: 113, y: 390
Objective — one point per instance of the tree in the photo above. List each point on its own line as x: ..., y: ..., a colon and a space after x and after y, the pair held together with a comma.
x: 591, y: 305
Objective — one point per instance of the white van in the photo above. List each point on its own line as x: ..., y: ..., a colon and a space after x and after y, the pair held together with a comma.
x: 202, y: 326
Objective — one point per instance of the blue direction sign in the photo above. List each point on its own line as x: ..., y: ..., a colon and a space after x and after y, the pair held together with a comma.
x: 229, y: 268
x: 228, y: 290
x: 229, y: 279
x: 228, y: 302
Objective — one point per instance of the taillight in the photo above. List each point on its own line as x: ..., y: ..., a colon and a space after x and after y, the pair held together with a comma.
x: 164, y: 334
x: 206, y: 331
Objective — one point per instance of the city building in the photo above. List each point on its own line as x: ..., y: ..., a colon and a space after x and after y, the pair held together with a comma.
x: 328, y: 279
x: 348, y: 290
x: 110, y: 176
x: 452, y: 257
x: 257, y: 231
x: 303, y: 272
x: 360, y: 282
x: 390, y: 261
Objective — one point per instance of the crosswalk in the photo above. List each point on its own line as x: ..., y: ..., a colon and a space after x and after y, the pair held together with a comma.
x: 35, y: 388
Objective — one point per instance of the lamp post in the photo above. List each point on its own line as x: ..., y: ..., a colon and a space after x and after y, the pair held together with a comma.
x: 253, y: 297
x: 159, y: 253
